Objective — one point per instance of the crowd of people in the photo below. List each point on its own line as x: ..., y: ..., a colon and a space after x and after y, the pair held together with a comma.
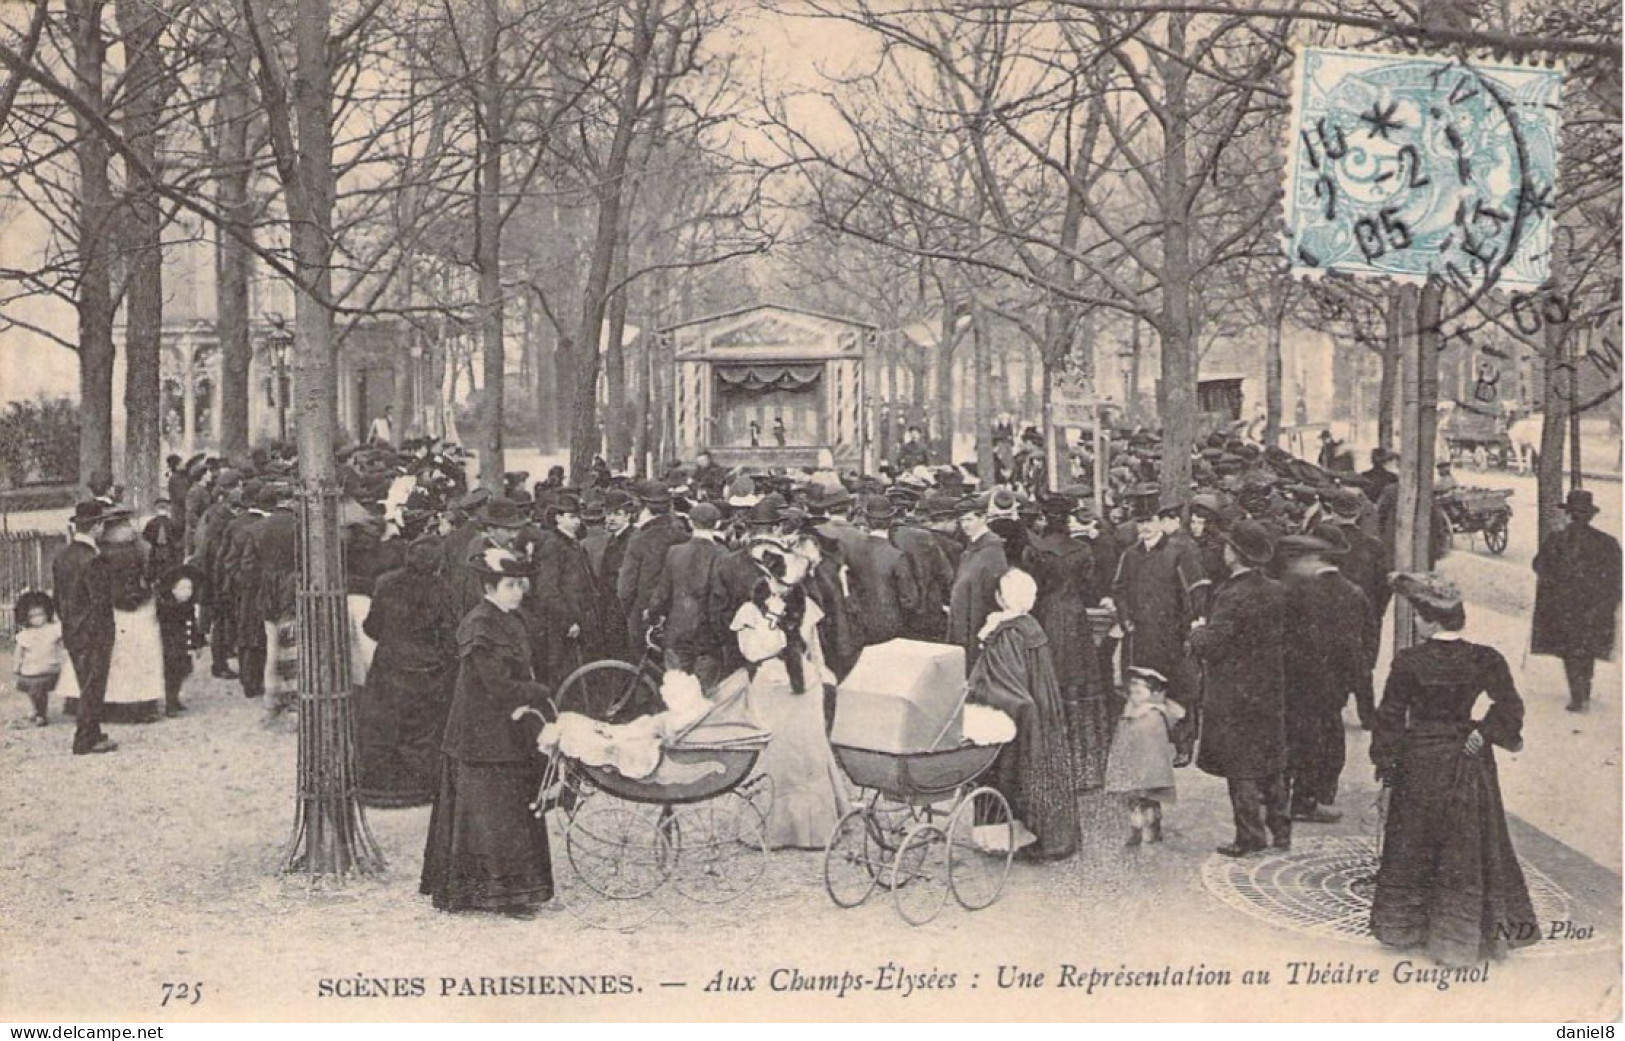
x: 1242, y: 618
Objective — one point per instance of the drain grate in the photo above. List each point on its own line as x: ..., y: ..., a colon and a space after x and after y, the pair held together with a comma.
x: 1323, y: 886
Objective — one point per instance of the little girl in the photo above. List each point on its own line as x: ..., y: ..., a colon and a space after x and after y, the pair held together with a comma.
x: 178, y: 631
x: 39, y: 652
x: 1140, y: 766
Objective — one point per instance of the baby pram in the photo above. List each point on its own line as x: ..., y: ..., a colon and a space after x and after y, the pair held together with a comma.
x: 697, y: 823
x: 926, y: 828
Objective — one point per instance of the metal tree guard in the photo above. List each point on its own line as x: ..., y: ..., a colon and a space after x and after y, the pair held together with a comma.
x: 330, y: 834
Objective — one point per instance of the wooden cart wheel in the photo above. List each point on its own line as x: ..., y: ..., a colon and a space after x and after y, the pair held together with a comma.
x: 610, y: 691
x: 1495, y: 535
x: 850, y: 870
x: 919, y: 878
x: 981, y: 844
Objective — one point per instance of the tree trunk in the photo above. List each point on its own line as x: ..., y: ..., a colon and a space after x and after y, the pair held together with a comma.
x: 550, y: 404
x: 1272, y: 382
x: 1178, y: 397
x: 233, y: 260
x: 330, y: 837
x: 1419, y: 359
x: 942, y: 437
x: 488, y: 251
x: 1559, y: 386
x: 94, y: 232
x: 585, y: 439
x: 142, y: 228
x: 1386, y: 393
x: 982, y: 376
x: 1131, y: 389
x: 615, y: 419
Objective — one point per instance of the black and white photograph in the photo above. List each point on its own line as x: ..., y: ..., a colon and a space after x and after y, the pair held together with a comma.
x: 1091, y: 511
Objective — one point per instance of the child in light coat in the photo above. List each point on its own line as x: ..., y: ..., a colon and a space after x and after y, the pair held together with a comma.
x: 39, y: 654
x: 1140, y: 766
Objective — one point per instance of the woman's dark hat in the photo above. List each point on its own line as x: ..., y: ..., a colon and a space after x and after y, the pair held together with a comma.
x: 1427, y: 589
x: 501, y: 513
x: 1251, y: 540
x: 497, y: 562
x: 1580, y: 501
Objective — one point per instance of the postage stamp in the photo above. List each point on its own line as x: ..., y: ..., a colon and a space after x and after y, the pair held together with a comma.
x: 1409, y: 166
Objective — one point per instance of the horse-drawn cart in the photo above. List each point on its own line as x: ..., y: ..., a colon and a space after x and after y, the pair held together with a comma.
x: 1479, y: 511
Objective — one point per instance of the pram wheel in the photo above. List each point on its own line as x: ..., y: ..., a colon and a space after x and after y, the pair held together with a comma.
x: 619, y: 850
x: 919, y: 878
x: 981, y: 844
x: 851, y: 859
x: 618, y: 855
x: 720, y: 847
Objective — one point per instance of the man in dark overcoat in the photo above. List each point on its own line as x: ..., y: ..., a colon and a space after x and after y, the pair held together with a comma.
x: 561, y: 605
x: 198, y: 497
x: 933, y: 572
x: 976, y: 584
x: 1379, y: 477
x: 619, y: 507
x: 885, y: 591
x: 1159, y: 590
x: 694, y: 632
x: 84, y: 598
x: 1576, y: 596
x: 1243, y: 709
x: 1366, y: 564
x: 1324, y: 657
x: 269, y: 580
x: 208, y: 541
x: 241, y: 586
x: 657, y: 531
x: 942, y: 517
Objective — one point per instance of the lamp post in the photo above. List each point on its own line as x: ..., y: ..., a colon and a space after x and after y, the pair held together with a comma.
x: 279, y: 340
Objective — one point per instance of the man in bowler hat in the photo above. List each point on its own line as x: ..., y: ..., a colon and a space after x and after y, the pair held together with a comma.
x: 1576, y: 596
x: 84, y: 594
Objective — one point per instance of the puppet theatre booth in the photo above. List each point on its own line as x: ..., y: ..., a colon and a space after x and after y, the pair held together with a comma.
x: 770, y: 386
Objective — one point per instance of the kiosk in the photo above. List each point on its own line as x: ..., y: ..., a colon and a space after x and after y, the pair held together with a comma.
x: 770, y: 386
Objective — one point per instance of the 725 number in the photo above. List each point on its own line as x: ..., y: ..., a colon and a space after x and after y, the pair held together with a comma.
x: 182, y: 993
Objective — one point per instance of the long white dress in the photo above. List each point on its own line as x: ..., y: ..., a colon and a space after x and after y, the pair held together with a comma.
x: 809, y: 791
x: 135, y: 676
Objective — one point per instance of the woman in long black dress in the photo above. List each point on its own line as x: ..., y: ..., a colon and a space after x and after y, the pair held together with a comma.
x: 1449, y: 881
x: 487, y: 851
x: 401, y: 710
